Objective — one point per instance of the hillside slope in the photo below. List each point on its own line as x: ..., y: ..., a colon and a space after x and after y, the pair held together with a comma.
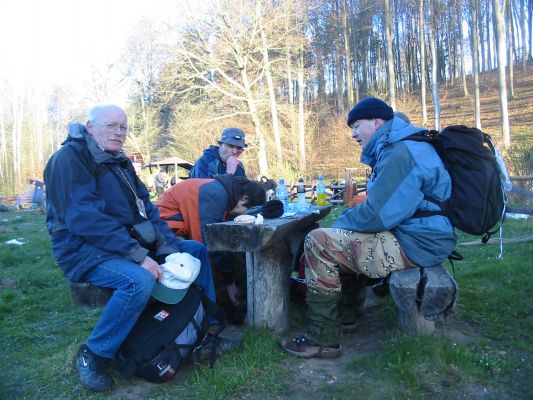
x: 333, y: 149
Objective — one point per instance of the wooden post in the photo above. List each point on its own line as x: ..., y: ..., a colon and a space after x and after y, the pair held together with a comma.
x: 348, y: 187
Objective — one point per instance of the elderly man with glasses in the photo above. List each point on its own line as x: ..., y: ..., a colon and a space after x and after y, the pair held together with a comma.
x: 96, y: 204
x: 222, y: 159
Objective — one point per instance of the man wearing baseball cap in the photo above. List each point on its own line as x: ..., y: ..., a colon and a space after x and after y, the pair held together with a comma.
x: 222, y: 159
x: 381, y: 234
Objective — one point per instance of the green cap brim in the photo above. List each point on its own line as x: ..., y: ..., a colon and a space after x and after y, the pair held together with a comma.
x: 168, y: 295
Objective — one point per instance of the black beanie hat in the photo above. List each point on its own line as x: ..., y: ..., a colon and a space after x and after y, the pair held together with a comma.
x: 370, y: 108
x: 272, y: 209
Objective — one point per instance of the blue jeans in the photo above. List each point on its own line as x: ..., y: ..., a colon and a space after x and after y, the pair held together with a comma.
x: 204, y: 278
x: 133, y: 285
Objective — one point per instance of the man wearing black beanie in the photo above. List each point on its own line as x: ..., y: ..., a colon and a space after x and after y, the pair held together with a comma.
x: 378, y: 236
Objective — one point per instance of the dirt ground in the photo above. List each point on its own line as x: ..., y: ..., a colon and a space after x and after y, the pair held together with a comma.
x: 313, y: 375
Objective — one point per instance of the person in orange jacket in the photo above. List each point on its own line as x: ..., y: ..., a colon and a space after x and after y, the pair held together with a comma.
x: 190, y: 205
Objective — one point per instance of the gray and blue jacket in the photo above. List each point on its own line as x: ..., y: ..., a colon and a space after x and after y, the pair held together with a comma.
x: 403, y: 172
x: 210, y: 164
x: 89, y: 215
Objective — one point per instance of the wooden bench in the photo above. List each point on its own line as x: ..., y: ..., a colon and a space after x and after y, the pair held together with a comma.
x: 85, y: 294
x: 422, y: 295
x: 271, y: 250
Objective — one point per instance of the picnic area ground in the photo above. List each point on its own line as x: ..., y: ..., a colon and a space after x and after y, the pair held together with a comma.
x: 482, y: 351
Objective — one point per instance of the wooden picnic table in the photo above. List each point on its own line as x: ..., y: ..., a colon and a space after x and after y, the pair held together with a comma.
x: 271, y: 250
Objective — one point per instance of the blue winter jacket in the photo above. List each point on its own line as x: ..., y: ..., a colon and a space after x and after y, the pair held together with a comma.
x: 89, y: 215
x: 210, y: 164
x: 403, y: 172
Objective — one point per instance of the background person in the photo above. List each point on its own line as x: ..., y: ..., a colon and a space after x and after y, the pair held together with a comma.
x: 94, y: 199
x: 222, y: 159
x: 380, y: 235
x: 160, y: 183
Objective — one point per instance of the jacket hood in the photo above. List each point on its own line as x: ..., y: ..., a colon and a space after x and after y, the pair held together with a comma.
x: 401, y: 129
x: 391, y: 131
x: 77, y: 131
x: 211, y: 151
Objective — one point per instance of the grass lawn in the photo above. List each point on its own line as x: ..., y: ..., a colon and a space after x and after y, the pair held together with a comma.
x: 482, y: 351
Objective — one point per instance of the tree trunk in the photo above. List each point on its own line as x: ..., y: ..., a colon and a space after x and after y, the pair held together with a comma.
x: 272, y: 97
x: 396, y: 49
x: 474, y: 7
x: 488, y: 38
x: 434, y: 68
x: 463, y: 69
x: 390, y: 55
x: 422, y: 45
x: 523, y: 34
x: 16, y: 138
x: 498, y: 16
x: 347, y: 54
x: 3, y: 147
x: 530, y: 13
x: 338, y: 64
x: 261, y: 151
x: 510, y: 47
x: 301, y: 112
x: 290, y: 86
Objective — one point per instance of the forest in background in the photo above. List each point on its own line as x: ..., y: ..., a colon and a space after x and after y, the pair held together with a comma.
x: 287, y: 72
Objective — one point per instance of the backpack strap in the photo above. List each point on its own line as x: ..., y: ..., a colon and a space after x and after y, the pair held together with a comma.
x: 428, y: 137
x: 429, y: 213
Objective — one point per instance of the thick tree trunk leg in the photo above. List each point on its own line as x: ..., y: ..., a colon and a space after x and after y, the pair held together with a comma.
x: 403, y: 287
x: 268, y: 282
x: 440, y: 292
x: 85, y: 294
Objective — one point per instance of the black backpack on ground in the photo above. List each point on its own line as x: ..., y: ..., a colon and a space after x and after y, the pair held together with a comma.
x: 165, y: 336
x: 478, y: 199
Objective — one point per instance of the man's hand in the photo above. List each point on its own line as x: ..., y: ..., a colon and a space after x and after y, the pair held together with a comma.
x: 153, y: 267
x: 231, y: 164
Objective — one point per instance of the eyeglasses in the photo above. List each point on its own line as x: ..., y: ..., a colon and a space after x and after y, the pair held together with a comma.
x: 112, y: 127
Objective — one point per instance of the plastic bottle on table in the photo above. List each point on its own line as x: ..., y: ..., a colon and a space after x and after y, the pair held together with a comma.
x: 282, y: 194
x: 321, y: 198
x: 300, y: 191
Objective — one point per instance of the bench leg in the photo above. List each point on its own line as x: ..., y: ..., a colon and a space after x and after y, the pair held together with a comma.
x: 412, y: 322
x: 422, y: 295
x: 268, y: 287
x: 403, y: 286
x: 85, y: 294
x: 268, y: 283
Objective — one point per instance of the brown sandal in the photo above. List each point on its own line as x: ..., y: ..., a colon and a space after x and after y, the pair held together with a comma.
x: 301, y: 346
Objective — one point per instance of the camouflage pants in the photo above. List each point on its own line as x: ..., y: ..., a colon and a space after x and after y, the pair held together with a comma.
x: 329, y: 250
x: 337, y: 264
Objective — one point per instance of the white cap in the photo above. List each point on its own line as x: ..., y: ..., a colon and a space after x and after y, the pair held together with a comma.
x: 179, y: 271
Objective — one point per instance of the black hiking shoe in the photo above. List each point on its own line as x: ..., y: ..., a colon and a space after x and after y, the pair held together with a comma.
x: 92, y: 370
